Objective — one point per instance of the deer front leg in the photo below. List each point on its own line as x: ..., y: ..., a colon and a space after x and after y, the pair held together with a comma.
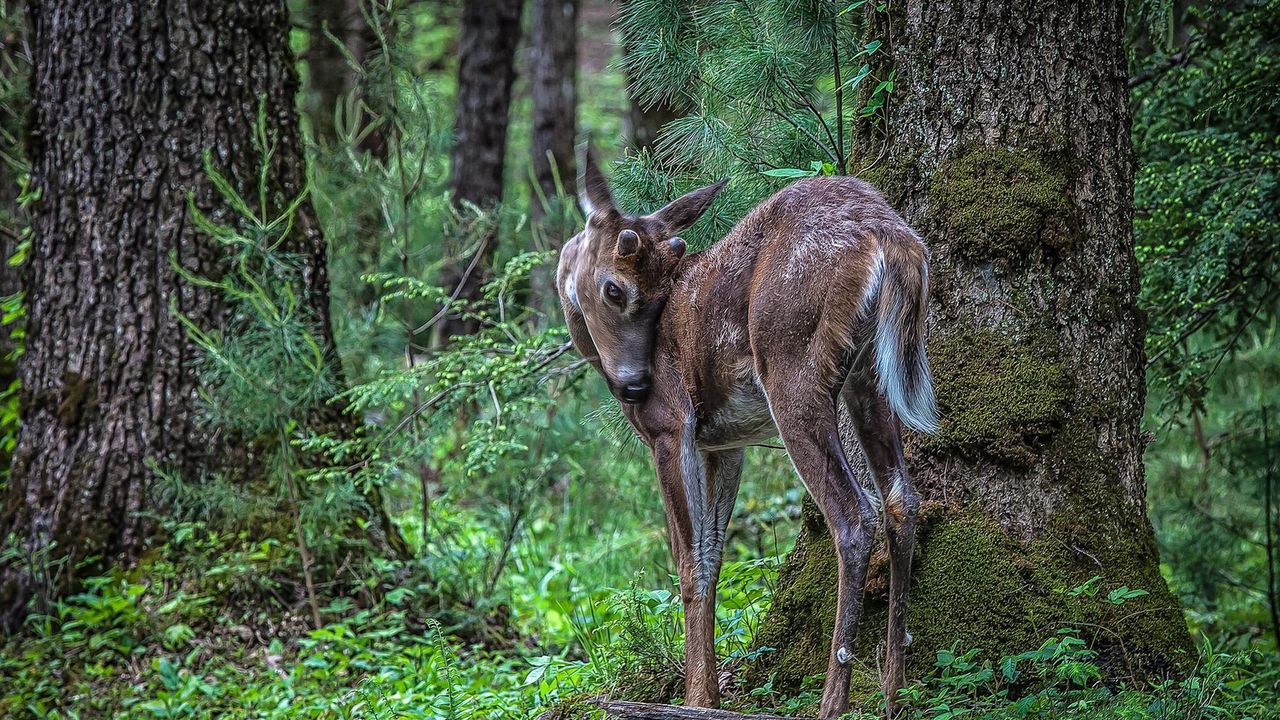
x: 882, y: 444
x: 698, y: 491
x: 807, y: 425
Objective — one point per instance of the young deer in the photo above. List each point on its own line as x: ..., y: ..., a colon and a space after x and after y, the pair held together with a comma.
x: 817, y: 296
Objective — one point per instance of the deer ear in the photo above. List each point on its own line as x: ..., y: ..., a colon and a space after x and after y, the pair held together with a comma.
x: 685, y: 210
x: 677, y: 247
x: 628, y: 243
x: 595, y: 195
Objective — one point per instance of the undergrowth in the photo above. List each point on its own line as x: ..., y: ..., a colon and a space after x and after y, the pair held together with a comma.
x: 161, y: 642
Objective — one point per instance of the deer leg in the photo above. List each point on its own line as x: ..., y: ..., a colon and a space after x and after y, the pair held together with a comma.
x: 808, y: 429
x: 698, y: 490
x: 878, y: 433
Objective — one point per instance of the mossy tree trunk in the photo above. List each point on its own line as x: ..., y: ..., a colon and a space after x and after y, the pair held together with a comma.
x: 126, y: 96
x: 1008, y: 149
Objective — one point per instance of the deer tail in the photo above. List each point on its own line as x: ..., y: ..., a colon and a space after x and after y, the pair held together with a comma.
x: 902, y: 366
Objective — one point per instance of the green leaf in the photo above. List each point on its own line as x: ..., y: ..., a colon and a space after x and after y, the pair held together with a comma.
x: 789, y: 173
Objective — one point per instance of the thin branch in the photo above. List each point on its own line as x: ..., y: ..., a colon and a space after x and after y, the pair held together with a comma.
x: 1173, y: 62
x: 457, y: 291
x: 1268, y: 502
x: 835, y: 63
x: 786, y: 118
x: 800, y: 98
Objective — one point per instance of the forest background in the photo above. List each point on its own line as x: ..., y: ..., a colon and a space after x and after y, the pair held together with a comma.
x: 353, y: 469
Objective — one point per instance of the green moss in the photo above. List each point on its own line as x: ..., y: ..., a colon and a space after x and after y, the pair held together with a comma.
x: 998, y: 397
x: 576, y: 707
x: 973, y: 589
x: 995, y: 202
x: 974, y: 586
x: 1102, y: 533
x: 801, y: 616
x: 892, y: 178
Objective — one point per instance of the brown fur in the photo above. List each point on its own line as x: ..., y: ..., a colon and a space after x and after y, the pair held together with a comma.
x: 765, y: 331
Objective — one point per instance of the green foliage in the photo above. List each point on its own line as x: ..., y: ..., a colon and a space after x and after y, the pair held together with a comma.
x: 525, y: 500
x: 1208, y: 192
x: 766, y: 102
x: 1061, y: 678
x: 1206, y: 222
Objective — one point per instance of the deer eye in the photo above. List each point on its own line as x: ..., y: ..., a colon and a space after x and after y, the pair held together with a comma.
x: 613, y: 293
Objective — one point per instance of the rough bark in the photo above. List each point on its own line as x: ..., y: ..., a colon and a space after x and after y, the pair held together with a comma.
x: 486, y: 70
x: 125, y: 98
x: 554, y: 82
x: 1008, y: 149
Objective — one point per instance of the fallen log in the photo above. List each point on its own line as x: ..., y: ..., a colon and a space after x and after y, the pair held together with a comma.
x: 625, y: 710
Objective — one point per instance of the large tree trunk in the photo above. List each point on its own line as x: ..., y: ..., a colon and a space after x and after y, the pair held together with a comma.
x: 554, y: 81
x: 1009, y: 151
x: 126, y: 96
x: 486, y: 71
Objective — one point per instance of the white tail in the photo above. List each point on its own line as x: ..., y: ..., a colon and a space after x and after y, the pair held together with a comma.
x: 901, y: 362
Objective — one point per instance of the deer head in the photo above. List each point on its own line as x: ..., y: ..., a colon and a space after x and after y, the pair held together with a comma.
x: 615, y: 277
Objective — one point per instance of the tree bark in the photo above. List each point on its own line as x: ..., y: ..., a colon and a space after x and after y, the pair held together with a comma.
x: 486, y: 70
x: 554, y: 82
x: 1008, y: 149
x: 126, y: 96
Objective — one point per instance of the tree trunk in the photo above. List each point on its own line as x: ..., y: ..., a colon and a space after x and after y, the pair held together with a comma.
x: 330, y: 77
x: 554, y: 81
x: 125, y: 98
x: 486, y: 70
x: 1008, y: 149
x: 643, y: 122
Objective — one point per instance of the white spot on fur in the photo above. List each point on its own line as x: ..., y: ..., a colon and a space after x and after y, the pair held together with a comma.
x: 693, y: 469
x: 730, y: 334
x: 873, y: 281
x: 571, y: 290
x: 843, y: 656
x: 894, y: 500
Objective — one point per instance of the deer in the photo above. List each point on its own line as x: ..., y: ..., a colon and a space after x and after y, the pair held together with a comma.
x: 817, y: 297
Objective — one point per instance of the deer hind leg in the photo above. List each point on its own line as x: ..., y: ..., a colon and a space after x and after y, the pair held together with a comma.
x: 698, y: 490
x: 806, y: 418
x: 877, y: 431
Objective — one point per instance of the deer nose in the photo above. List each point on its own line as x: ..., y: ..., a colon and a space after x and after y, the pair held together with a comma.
x: 635, y: 392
